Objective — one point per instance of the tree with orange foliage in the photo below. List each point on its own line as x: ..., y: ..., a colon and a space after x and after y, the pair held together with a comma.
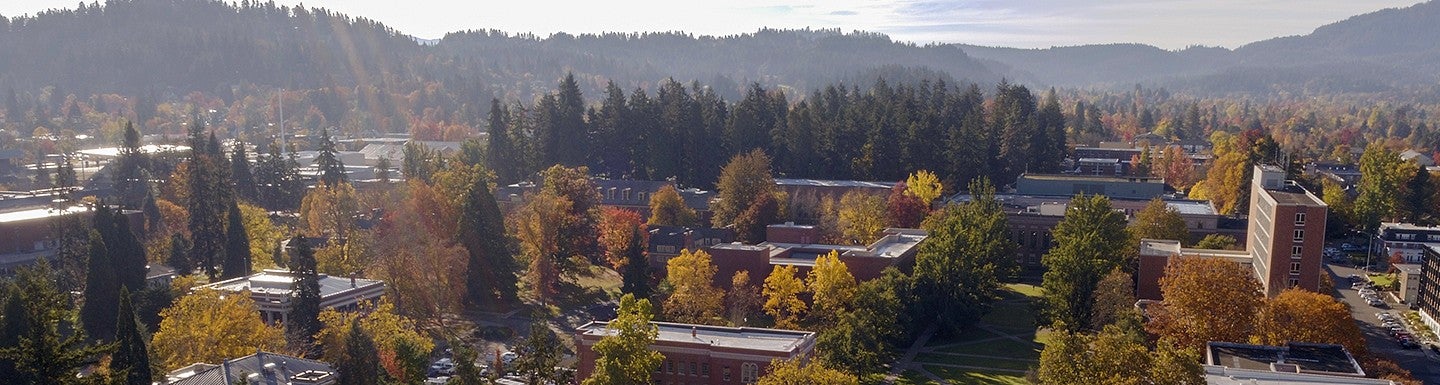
x: 1304, y: 316
x: 538, y: 226
x: 904, y: 210
x: 1206, y: 299
x: 617, y: 228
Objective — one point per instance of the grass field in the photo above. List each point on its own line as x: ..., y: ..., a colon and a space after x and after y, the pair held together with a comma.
x: 996, y: 351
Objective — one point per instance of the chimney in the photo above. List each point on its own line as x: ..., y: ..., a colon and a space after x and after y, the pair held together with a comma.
x: 693, y: 331
x: 352, y: 282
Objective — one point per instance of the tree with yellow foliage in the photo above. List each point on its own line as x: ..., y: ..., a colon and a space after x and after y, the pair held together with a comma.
x: 861, y: 217
x: 924, y: 185
x: 210, y: 326
x: 782, y: 296
x: 833, y: 287
x: 694, y: 298
x: 794, y: 372
x: 1206, y: 299
x: 1302, y: 316
x: 379, y: 320
x: 537, y: 225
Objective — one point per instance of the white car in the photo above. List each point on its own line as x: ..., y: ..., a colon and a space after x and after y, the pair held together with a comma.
x: 509, y: 357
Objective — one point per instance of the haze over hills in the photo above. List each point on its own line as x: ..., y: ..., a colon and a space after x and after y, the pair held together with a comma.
x: 1387, y: 50
x: 171, y: 48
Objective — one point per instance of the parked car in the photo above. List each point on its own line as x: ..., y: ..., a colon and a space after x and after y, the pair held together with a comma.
x: 1376, y: 303
x: 442, y: 367
x: 509, y: 357
x: 1384, y: 315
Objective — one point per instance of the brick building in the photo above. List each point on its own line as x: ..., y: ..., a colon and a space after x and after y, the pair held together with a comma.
x: 702, y: 354
x: 1285, y: 239
x: 795, y: 245
x: 1429, y: 292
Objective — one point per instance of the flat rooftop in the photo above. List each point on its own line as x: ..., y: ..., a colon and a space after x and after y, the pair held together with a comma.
x: 38, y: 213
x: 1220, y: 375
x: 1309, y: 358
x: 833, y: 183
x: 111, y: 152
x: 281, y: 282
x: 1408, y: 268
x: 1407, y: 227
x: 1094, y: 178
x: 761, y: 339
x: 1295, y: 198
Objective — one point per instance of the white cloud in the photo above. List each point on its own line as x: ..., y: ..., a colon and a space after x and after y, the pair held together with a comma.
x: 1024, y: 23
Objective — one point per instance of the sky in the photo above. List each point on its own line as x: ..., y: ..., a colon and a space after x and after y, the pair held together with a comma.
x: 1170, y: 24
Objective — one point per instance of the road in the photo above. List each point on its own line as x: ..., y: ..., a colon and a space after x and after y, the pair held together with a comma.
x: 1425, y: 365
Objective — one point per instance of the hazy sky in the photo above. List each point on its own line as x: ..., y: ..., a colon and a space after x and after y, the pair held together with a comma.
x: 1172, y: 24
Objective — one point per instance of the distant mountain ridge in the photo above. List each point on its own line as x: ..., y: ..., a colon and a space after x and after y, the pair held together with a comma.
x: 174, y: 47
x: 1381, y: 51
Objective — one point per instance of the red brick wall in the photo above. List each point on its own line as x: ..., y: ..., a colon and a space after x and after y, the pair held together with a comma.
x: 792, y: 234
x: 729, y: 261
x: 689, y: 357
x: 1150, y: 271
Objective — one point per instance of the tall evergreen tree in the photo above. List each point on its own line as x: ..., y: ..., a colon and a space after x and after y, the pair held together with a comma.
x: 565, y: 125
x: 208, y: 198
x: 130, y: 183
x: 130, y: 359
x: 500, y: 152
x: 1418, y: 202
x: 636, y: 278
x: 153, y: 219
x: 237, y: 246
x: 48, y: 350
x: 98, y: 311
x: 359, y: 362
x: 332, y: 169
x: 1013, y: 117
x: 127, y: 253
x: 179, y: 258
x: 491, y: 279
x: 1048, y: 143
x: 65, y: 175
x: 304, y: 317
x: 13, y: 326
x: 240, y: 175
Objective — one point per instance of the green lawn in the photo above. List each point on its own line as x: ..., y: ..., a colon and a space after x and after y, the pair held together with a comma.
x: 1013, y: 315
x: 974, y: 377
x: 1382, y: 280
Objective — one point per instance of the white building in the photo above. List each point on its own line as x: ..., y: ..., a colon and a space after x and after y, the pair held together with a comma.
x: 273, y: 290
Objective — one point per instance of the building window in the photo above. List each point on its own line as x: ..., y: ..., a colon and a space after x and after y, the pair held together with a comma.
x: 666, y: 249
x: 669, y: 367
x: 1294, y: 282
x: 725, y: 374
x: 694, y: 370
x: 1299, y: 234
x: 1299, y: 218
x: 1294, y: 267
x: 749, y: 372
x: 1297, y: 251
x: 705, y: 369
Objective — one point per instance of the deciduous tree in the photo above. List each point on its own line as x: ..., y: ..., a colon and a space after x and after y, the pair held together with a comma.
x: 1302, y: 316
x: 206, y: 326
x: 694, y: 297
x: 742, y: 182
x: 624, y: 356
x: 959, y: 268
x: 923, y: 185
x: 904, y: 210
x: 617, y: 227
x: 1158, y: 221
x: 743, y: 300
x: 794, y: 372
x: 667, y: 208
x: 832, y: 288
x: 782, y: 297
x: 1114, y: 296
x: 861, y: 217
x: 1090, y: 241
x: 1206, y: 299
x: 538, y: 226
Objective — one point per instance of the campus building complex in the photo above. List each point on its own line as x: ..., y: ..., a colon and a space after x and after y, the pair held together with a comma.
x: 273, y: 291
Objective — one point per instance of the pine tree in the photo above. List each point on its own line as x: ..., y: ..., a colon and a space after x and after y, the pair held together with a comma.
x: 500, y: 150
x: 382, y: 170
x: 153, y: 219
x: 636, y: 277
x: 128, y: 176
x: 65, y: 175
x: 241, y: 176
x: 48, y: 350
x: 130, y: 357
x: 332, y: 169
x: 304, y: 317
x: 13, y: 326
x: 237, y: 246
x: 179, y: 258
x: 490, y: 275
x: 359, y: 362
x: 208, y: 198
x: 98, y: 312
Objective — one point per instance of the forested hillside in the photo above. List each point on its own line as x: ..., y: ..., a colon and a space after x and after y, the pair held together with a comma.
x: 1391, y: 51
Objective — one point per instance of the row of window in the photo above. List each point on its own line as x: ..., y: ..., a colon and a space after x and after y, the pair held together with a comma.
x: 749, y: 371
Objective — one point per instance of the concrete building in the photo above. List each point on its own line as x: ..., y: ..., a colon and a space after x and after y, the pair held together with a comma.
x: 1287, y: 232
x: 273, y: 290
x: 1408, y: 276
x: 1069, y: 185
x: 28, y: 234
x: 666, y: 242
x: 1406, y: 239
x: 621, y: 193
x: 260, y: 368
x: 1285, y: 239
x: 702, y: 354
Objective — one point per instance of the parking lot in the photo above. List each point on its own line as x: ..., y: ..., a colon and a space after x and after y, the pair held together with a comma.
x: 1423, y: 363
